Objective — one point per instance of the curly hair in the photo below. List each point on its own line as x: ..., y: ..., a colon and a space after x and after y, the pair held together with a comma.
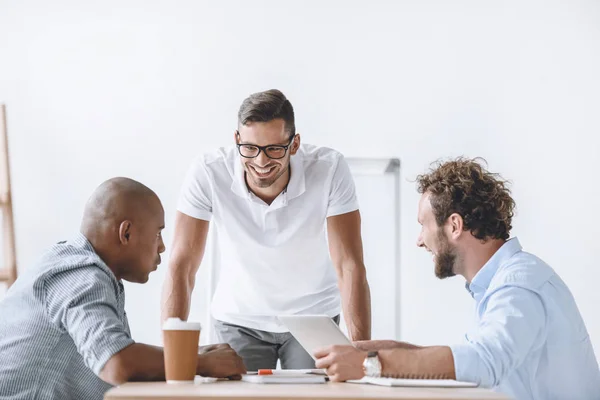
x: 465, y: 187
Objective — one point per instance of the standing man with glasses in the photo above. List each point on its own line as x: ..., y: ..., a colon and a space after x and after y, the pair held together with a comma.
x: 289, y: 233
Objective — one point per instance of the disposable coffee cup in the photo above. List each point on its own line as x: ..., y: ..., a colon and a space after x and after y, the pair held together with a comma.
x: 181, y: 339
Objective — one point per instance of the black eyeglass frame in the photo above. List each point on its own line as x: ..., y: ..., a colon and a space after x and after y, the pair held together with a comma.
x: 264, y: 148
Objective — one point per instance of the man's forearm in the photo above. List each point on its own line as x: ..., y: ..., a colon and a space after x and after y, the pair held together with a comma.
x: 435, y: 362
x: 378, y: 345
x: 186, y: 255
x: 137, y: 362
x: 176, y: 296
x: 147, y: 363
x: 356, y: 302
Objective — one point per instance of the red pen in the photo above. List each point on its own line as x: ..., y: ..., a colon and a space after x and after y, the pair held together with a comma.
x: 289, y: 371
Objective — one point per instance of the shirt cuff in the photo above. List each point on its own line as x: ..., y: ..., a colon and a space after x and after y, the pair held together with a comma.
x: 111, y: 348
x: 195, y: 212
x: 342, y: 209
x: 466, y: 363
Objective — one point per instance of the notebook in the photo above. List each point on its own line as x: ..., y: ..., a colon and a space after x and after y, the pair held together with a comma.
x: 414, y: 382
x: 287, y: 378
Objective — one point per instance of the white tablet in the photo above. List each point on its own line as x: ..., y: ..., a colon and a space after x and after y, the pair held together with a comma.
x: 314, y: 332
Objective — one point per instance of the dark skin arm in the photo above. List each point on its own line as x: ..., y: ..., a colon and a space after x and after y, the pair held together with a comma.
x: 142, y: 362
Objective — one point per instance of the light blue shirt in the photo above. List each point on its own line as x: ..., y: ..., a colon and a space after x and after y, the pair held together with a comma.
x: 529, y: 340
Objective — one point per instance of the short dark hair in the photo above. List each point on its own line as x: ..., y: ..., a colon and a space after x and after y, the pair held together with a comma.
x: 267, y: 106
x: 480, y: 197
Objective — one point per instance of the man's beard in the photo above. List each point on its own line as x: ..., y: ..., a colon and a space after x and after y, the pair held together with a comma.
x: 445, y: 260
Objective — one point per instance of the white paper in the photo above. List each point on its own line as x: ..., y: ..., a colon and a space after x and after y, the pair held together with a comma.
x: 414, y: 382
x: 300, y: 378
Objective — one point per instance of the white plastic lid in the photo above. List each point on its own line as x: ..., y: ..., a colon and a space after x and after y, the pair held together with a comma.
x: 176, y: 324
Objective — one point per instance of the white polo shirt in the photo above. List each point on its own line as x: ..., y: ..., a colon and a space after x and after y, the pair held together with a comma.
x: 274, y: 258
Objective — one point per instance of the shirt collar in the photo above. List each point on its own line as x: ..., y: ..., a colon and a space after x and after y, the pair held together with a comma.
x: 81, y: 242
x: 297, y: 183
x: 481, y: 280
x: 296, y: 186
x: 238, y: 186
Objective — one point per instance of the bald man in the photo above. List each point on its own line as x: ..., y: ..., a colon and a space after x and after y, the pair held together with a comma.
x: 64, y: 332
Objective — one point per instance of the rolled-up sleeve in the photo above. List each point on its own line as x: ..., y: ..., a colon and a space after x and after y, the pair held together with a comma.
x: 84, y: 303
x: 513, y: 322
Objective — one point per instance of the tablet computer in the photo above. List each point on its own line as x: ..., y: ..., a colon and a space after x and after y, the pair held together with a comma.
x: 314, y: 332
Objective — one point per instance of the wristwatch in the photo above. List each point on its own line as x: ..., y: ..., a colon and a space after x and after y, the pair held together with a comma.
x: 372, y: 365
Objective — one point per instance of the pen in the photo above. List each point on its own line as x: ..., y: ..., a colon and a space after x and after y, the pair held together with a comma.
x: 289, y: 371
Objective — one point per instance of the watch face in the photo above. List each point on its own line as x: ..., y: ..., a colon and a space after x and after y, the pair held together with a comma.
x: 372, y: 366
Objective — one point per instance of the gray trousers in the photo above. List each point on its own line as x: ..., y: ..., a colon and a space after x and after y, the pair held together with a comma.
x: 261, y: 349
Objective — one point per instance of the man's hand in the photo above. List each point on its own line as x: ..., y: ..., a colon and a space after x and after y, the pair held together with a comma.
x: 212, y: 347
x: 341, y: 362
x: 220, y: 361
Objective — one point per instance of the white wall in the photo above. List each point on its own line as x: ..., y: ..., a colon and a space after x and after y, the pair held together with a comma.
x: 105, y: 89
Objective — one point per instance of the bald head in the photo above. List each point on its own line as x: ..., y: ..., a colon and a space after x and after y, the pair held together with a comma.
x: 123, y: 220
x: 115, y: 200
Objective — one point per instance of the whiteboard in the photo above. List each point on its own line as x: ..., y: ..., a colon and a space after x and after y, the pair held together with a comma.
x: 377, y: 185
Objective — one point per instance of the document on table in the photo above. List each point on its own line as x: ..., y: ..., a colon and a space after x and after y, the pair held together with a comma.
x: 284, y: 378
x: 414, y: 382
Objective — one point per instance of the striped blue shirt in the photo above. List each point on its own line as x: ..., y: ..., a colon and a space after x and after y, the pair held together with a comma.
x: 61, y: 321
x: 529, y: 340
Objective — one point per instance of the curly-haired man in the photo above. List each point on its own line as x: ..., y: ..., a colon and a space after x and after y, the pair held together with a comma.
x: 529, y: 340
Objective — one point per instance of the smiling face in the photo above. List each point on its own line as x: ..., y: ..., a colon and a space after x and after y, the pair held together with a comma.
x: 262, y: 171
x: 435, y: 240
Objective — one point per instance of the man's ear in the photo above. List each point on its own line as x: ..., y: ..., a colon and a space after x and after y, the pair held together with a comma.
x: 456, y: 225
x: 236, y: 136
x: 295, y: 144
x: 125, y: 232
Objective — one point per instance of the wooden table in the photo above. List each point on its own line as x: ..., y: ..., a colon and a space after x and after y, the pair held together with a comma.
x: 253, y: 391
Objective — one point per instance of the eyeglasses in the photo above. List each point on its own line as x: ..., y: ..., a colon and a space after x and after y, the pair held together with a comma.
x: 273, y: 151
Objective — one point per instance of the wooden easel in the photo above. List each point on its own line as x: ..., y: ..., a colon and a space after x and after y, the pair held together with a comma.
x: 8, y: 269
